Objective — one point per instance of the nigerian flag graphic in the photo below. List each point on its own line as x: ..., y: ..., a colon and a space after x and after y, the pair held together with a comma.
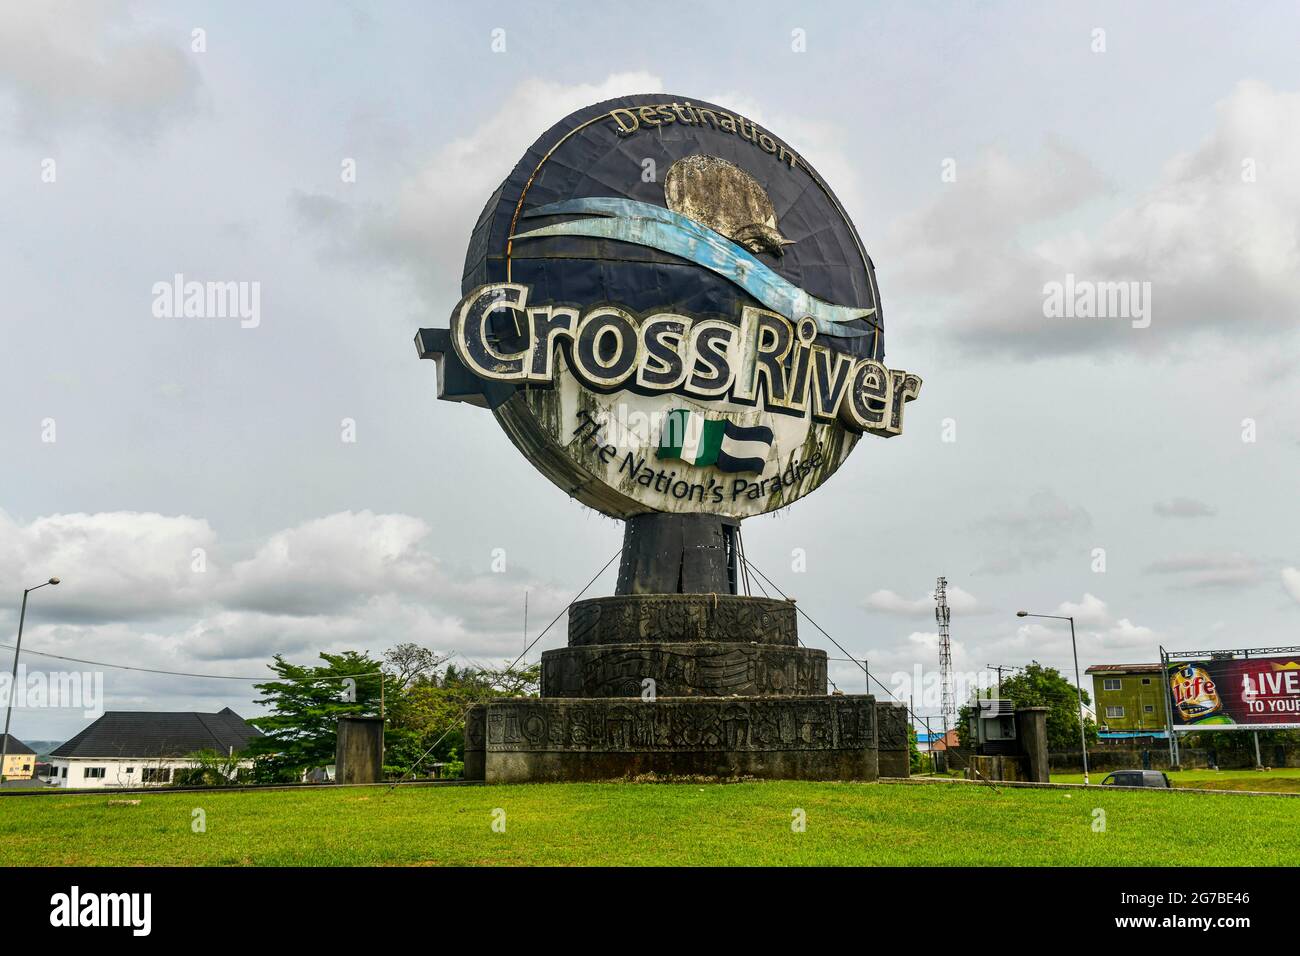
x: 702, y: 441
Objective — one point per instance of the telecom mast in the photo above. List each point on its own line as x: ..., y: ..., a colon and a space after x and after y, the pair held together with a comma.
x: 942, y: 615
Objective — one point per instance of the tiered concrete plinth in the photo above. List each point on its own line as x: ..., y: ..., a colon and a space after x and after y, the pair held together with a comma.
x: 682, y: 684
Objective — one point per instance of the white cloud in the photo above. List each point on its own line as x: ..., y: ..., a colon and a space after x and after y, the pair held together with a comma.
x: 112, y: 564
x: 1045, y: 514
x: 1032, y: 533
x: 1209, y: 570
x: 351, y: 579
x: 63, y: 62
x: 891, y: 602
x: 1089, y: 611
x: 1126, y: 634
x: 954, y: 245
x: 1291, y: 581
x: 1184, y: 508
x: 1097, y: 631
x: 424, y: 229
x: 1221, y: 253
x: 325, y: 563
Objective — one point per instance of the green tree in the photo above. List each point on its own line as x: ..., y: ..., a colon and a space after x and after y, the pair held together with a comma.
x: 1039, y: 686
x: 913, y: 750
x: 430, y: 713
x: 306, y: 703
x: 412, y: 664
x: 211, y: 769
x: 424, y: 707
x: 1236, y: 749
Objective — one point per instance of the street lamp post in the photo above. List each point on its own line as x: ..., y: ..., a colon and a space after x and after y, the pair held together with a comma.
x: 13, y: 679
x: 1074, y: 645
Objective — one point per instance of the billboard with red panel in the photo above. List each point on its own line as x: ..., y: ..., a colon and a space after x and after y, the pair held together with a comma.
x: 1256, y: 693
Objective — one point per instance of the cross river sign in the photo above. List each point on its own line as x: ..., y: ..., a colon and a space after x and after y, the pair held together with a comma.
x: 667, y: 310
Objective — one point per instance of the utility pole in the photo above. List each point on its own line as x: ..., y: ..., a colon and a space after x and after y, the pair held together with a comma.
x: 1078, y: 684
x: 929, y: 735
x: 1169, y: 708
x: 1000, y: 668
x: 13, y: 680
x: 911, y: 716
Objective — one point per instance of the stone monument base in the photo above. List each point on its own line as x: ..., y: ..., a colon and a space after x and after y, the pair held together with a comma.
x: 523, y: 740
x: 684, y: 685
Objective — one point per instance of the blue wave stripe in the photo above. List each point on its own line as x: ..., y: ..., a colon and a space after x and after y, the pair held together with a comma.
x: 646, y: 224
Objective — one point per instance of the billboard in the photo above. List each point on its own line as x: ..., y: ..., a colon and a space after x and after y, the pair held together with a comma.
x: 667, y: 309
x: 1254, y: 693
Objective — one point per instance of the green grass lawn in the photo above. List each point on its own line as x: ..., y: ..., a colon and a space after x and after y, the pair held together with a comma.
x: 1283, y: 780
x: 651, y: 824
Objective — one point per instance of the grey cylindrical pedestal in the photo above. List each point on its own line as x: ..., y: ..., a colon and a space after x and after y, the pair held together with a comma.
x: 677, y: 554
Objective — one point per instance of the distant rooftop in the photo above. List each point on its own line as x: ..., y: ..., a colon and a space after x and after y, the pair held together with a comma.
x: 145, y: 733
x: 16, y: 746
x: 1123, y: 669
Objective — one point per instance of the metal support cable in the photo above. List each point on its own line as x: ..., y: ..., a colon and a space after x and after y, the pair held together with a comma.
x: 510, y: 669
x: 151, y: 670
x: 861, y: 664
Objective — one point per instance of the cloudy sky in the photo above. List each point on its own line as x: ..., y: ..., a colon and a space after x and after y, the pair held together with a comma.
x: 189, y: 478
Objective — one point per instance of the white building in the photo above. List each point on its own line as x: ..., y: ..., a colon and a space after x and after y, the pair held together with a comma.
x: 147, y: 748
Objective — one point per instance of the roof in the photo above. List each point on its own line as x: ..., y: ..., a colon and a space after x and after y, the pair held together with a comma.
x: 1123, y: 669
x: 943, y: 741
x: 144, y: 733
x: 16, y: 746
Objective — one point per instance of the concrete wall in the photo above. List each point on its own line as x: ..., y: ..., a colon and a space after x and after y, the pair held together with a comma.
x: 514, y: 740
x: 1000, y: 767
x: 895, y: 758
x: 1157, y: 758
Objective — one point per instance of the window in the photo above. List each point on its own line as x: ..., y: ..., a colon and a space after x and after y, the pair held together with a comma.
x: 129, y: 771
x: 63, y: 772
x: 93, y: 773
x: 27, y: 766
x: 1148, y: 708
x: 1146, y: 681
x: 1110, y: 683
x: 1114, y: 711
x: 157, y: 775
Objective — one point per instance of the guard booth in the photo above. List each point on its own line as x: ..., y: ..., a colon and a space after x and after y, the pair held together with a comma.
x: 1010, y: 742
x: 993, y: 727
